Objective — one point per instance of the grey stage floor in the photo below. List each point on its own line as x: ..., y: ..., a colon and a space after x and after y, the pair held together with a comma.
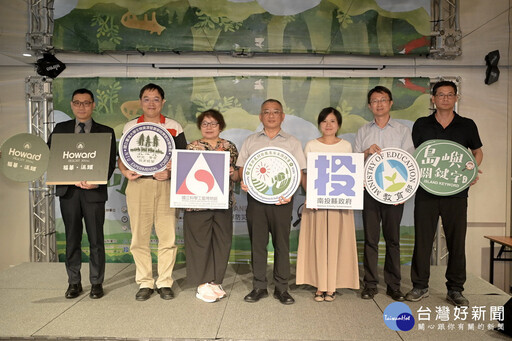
x: 33, y: 307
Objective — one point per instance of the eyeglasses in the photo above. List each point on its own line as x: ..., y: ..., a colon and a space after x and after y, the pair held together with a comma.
x: 449, y: 96
x: 151, y: 100
x: 209, y: 124
x: 382, y: 100
x: 275, y: 112
x: 78, y: 104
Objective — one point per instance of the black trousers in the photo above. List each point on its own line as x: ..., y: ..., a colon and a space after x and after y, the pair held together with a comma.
x: 453, y: 212
x: 74, y: 207
x: 208, y: 235
x: 375, y: 213
x: 263, y: 219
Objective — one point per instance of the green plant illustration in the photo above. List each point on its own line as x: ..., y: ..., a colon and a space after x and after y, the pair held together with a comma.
x: 211, y: 23
x: 395, y: 186
x: 288, y: 19
x: 172, y: 16
x: 106, y: 28
x: 344, y: 19
x: 345, y: 109
x: 221, y: 104
x: 141, y: 140
x: 107, y: 98
x: 145, y: 145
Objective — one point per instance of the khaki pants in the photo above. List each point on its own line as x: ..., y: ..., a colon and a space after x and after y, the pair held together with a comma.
x: 148, y: 206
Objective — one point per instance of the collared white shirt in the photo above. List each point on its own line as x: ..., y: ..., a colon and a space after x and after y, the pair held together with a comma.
x: 393, y: 135
x: 282, y: 140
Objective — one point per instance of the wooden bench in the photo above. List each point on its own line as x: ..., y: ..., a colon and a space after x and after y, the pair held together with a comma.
x: 506, y: 246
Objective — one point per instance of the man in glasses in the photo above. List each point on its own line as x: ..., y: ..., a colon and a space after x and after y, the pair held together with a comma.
x: 148, y: 198
x: 443, y: 124
x: 84, y: 201
x: 263, y: 219
x: 381, y: 132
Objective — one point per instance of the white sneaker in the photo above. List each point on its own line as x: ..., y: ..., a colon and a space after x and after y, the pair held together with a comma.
x: 217, y: 289
x: 205, y: 293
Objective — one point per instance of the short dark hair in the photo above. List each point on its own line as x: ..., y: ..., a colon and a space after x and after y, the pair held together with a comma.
x: 152, y: 87
x: 271, y: 100
x: 444, y: 83
x: 329, y: 110
x: 381, y: 90
x: 215, y: 114
x: 83, y: 91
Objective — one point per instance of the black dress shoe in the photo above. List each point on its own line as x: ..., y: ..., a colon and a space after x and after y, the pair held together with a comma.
x: 369, y: 293
x: 96, y: 291
x: 397, y: 295
x: 255, y: 295
x: 165, y: 293
x: 143, y: 294
x: 74, y: 290
x: 284, y: 297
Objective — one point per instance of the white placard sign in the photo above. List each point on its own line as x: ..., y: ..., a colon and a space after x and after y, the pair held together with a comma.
x: 335, y: 180
x: 391, y: 177
x: 200, y: 179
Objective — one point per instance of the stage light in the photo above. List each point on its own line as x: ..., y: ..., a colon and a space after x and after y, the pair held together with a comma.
x: 49, y: 66
x: 492, y: 73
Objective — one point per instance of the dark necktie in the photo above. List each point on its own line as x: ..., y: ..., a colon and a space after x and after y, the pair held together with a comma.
x: 82, y: 126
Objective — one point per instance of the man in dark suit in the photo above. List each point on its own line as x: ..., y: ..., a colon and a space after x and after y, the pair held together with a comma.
x: 84, y: 201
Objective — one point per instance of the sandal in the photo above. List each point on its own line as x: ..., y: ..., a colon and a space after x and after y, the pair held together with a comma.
x: 319, y: 297
x: 330, y: 297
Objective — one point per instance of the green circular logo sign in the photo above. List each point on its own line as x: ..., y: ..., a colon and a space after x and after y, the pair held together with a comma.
x: 24, y: 157
x: 447, y: 167
x: 270, y: 173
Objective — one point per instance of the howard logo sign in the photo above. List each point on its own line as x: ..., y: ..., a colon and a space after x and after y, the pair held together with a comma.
x: 78, y: 155
x: 25, y: 155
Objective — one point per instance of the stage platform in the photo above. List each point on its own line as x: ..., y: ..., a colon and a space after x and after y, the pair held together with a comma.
x: 33, y: 307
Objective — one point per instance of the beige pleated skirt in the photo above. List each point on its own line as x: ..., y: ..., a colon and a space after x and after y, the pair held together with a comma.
x: 327, y: 253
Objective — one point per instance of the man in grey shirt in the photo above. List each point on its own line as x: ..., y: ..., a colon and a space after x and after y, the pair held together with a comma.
x: 382, y: 132
x: 263, y: 219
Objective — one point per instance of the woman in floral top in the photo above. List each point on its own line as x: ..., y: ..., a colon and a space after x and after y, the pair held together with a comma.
x: 208, y: 232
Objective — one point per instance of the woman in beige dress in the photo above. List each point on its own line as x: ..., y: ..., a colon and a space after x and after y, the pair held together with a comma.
x: 327, y: 254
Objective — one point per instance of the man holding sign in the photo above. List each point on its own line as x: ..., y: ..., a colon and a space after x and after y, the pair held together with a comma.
x: 147, y: 198
x: 382, y: 132
x: 263, y: 218
x: 443, y: 124
x: 84, y: 201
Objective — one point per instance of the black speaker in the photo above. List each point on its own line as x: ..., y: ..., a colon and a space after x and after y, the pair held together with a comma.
x: 492, y: 73
x: 507, y: 318
x: 49, y: 66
